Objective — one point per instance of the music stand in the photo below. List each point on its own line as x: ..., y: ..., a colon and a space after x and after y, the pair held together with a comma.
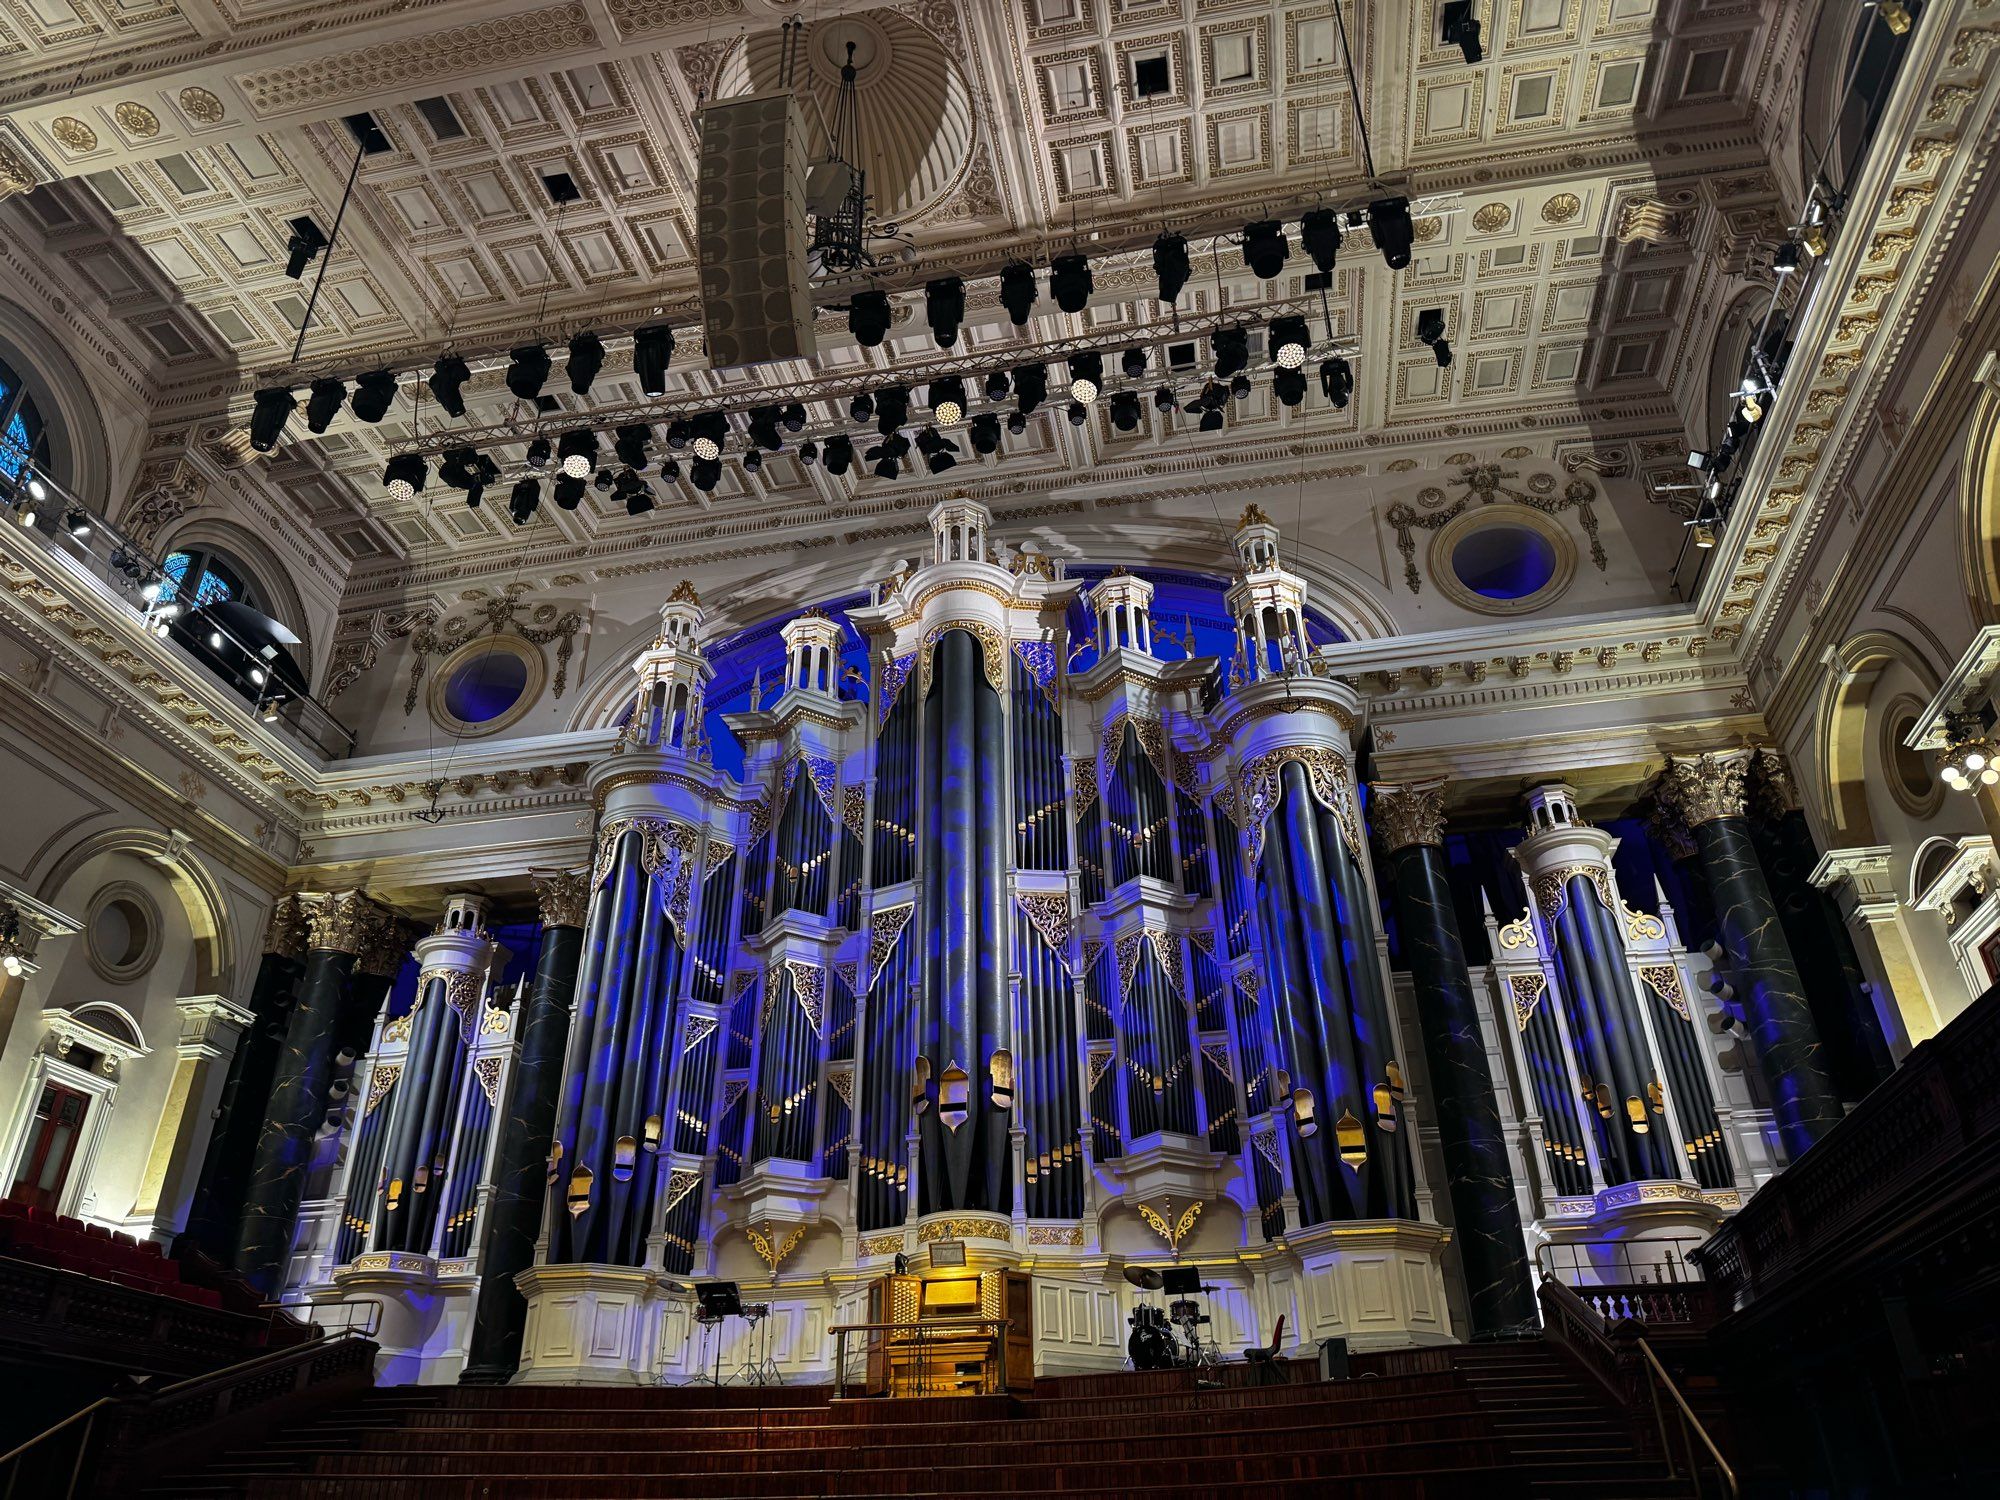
x: 718, y: 1299
x: 1181, y: 1281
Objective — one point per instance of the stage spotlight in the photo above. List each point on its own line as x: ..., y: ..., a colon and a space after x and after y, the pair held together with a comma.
x: 670, y: 469
x: 763, y: 428
x: 630, y: 445
x: 839, y: 454
x: 938, y: 451
x: 996, y: 385
x: 272, y: 409
x: 861, y: 408
x: 1017, y: 422
x: 652, y: 352
x: 793, y: 416
x: 1133, y: 363
x: 1125, y: 411
x: 705, y: 473
x: 1288, y: 341
x: 576, y: 452
x: 637, y: 497
x: 323, y: 403
x: 947, y: 398
x: 1239, y: 386
x: 868, y: 318
x: 892, y: 408
x: 307, y: 239
x: 1170, y: 265
x: 1211, y: 419
x: 1389, y: 224
x: 404, y: 476
x: 1017, y: 290
x: 1232, y: 350
x: 706, y: 449
x: 1458, y: 27
x: 678, y: 434
x: 1086, y: 376
x: 887, y: 455
x: 1288, y: 385
x: 527, y: 369
x: 809, y: 452
x: 448, y: 377
x: 985, y: 433
x: 569, y: 492
x: 538, y: 453
x: 753, y: 460
x: 602, y: 482
x: 1430, y: 325
x: 1070, y: 282
x: 586, y: 358
x: 1336, y: 381
x: 1319, y: 232
x: 526, y: 500
x: 1163, y: 398
x: 944, y: 309
x: 1264, y: 248
x: 373, y: 395
x: 1442, y: 350
x: 1078, y: 413
x: 1031, y: 387
x: 711, y: 432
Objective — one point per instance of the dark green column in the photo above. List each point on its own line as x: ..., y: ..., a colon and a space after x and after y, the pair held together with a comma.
x: 341, y: 925
x: 520, y: 1163
x: 1709, y: 794
x: 216, y: 1212
x: 1486, y: 1223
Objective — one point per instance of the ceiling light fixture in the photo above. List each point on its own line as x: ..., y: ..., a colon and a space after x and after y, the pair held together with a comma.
x: 538, y: 453
x: 1133, y: 363
x: 306, y: 241
x: 270, y: 411
x: 985, y: 433
x: 1288, y: 384
x: 1458, y: 27
x: 323, y: 402
x: 569, y: 492
x: 1389, y: 224
x: 1031, y: 387
x: 576, y: 451
x: 1970, y: 760
x: 1319, y: 233
x: 1125, y: 411
x: 1017, y: 290
x: 1231, y: 347
x: 839, y: 454
x: 1288, y: 341
x: 1170, y: 265
x: 705, y: 474
x: 1336, y: 381
x: 448, y: 378
x: 630, y: 444
x: 652, y: 352
x: 586, y: 358
x: 527, y: 371
x: 1086, y: 376
x: 1078, y: 413
x: 1264, y: 248
x: 793, y: 416
x: 373, y: 394
x: 404, y: 476
x: 939, y: 451
x: 1163, y: 398
x: 944, y: 309
x: 892, y: 408
x: 947, y: 398
x: 763, y: 428
x: 868, y: 318
x: 525, y: 500
x: 1070, y: 282
x: 706, y: 449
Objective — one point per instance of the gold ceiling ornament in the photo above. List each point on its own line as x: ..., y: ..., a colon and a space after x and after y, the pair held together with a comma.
x: 16, y: 176
x: 1427, y: 229
x: 73, y: 135
x: 1409, y: 814
x: 1175, y: 1232
x: 1771, y: 785
x: 136, y: 120
x: 1562, y: 209
x: 1704, y: 788
x: 1492, y: 217
x: 199, y: 105
x: 562, y: 897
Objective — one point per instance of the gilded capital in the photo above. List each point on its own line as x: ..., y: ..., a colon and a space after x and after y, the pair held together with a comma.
x: 1674, y: 836
x: 285, y: 933
x: 564, y: 896
x: 386, y: 944
x: 1408, y: 813
x: 1707, y: 787
x: 1772, y: 787
x: 341, y: 921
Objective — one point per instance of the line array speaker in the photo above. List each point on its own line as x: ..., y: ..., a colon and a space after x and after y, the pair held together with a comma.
x: 750, y: 231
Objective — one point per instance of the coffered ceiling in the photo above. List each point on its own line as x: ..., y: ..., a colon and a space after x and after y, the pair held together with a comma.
x: 1590, y: 197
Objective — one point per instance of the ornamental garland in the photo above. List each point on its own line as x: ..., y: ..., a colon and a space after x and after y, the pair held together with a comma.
x: 1484, y: 484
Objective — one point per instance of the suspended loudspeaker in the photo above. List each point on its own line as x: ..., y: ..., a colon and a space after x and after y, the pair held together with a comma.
x: 750, y: 236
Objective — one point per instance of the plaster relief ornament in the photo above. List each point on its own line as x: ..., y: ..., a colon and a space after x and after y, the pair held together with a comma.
x: 73, y: 135
x: 199, y: 105
x: 136, y: 120
x: 1487, y: 484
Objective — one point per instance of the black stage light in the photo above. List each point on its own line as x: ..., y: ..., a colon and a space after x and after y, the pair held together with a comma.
x: 763, y: 428
x: 705, y: 473
x: 793, y: 416
x: 1086, y: 376
x: 1430, y: 325
x: 1031, y: 386
x: 1017, y: 290
x: 1163, y: 398
x: 678, y: 434
x: 1125, y: 411
x: 1442, y: 350
x: 637, y: 501
x: 1319, y: 232
x: 652, y: 352
x: 1078, y: 413
x: 892, y: 408
x: 947, y: 399
x: 307, y: 240
x: 538, y: 453
x: 868, y: 318
x: 569, y: 492
x: 938, y: 451
x: 861, y: 408
x: 944, y: 309
x: 1288, y: 385
x: 1239, y: 386
x: 526, y: 499
x: 670, y: 469
x: 1170, y: 265
x: 630, y: 444
x: 1017, y: 422
x: 323, y: 403
x: 448, y: 377
x: 373, y: 394
x: 586, y: 358
x: 887, y: 455
x: 404, y: 476
x: 1211, y: 419
x: 576, y: 453
x: 985, y: 433
x: 1133, y: 363
x: 1389, y: 223
x: 272, y: 409
x: 455, y: 466
x: 481, y: 472
x: 1288, y: 341
x: 996, y: 385
x: 809, y: 452
x: 753, y: 460
x: 1336, y: 381
x: 1232, y: 350
x: 839, y: 454
x: 1786, y: 260
x: 527, y: 369
x: 1457, y: 26
x: 602, y: 482
x: 1264, y: 248
x: 1070, y: 282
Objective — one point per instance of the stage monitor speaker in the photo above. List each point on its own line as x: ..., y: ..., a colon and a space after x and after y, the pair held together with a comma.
x: 750, y: 232
x: 1333, y: 1359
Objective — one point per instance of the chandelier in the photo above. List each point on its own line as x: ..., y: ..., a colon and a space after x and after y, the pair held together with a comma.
x: 1969, y: 757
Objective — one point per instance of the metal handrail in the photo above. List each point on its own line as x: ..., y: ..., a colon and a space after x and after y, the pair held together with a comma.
x: 1681, y: 1269
x: 1689, y: 1420
x: 88, y: 1416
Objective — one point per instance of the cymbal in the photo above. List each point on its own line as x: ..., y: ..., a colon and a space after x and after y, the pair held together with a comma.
x: 1145, y: 1278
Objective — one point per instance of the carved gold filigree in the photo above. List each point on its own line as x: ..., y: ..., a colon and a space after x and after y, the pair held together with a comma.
x: 1173, y: 1233
x: 342, y: 921
x: 1056, y: 1234
x: 1327, y: 777
x: 1664, y: 980
x: 487, y: 1071
x: 285, y: 932
x: 680, y: 1182
x: 199, y: 105
x: 992, y: 646
x: 963, y: 1229
x: 885, y: 926
x: 1085, y: 775
x: 1409, y: 814
x: 1049, y: 911
x: 1641, y: 926
x: 1705, y: 788
x: 882, y: 1244
x: 666, y: 853
x: 809, y: 984
x: 854, y: 810
x: 1551, y: 888
x: 563, y: 897
x: 1526, y: 991
x: 1519, y: 933
x: 770, y: 1247
x: 380, y: 1082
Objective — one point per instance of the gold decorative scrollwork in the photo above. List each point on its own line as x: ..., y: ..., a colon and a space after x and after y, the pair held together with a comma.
x: 1641, y: 926
x: 992, y: 645
x: 1526, y: 991
x: 664, y: 846
x: 1176, y: 1232
x: 1056, y: 1234
x: 809, y: 984
x: 487, y: 1071
x: 770, y: 1248
x: 1328, y: 776
x: 963, y: 1229
x: 1551, y: 888
x: 1049, y: 911
x: 680, y: 1182
x: 380, y: 1082
x: 884, y: 928
x: 1519, y: 933
x: 1085, y: 773
x: 1664, y: 980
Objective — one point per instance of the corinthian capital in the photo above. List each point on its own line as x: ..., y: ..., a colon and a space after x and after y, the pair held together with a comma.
x: 386, y: 944
x: 1408, y: 813
x: 564, y: 896
x: 285, y: 933
x: 1772, y: 786
x: 341, y: 922
x: 1706, y: 787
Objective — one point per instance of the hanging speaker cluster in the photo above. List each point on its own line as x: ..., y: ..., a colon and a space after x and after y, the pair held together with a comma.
x: 750, y: 232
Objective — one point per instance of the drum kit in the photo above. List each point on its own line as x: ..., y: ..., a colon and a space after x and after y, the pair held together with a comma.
x: 1152, y: 1345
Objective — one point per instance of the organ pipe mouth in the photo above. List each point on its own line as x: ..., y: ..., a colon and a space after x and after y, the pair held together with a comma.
x: 555, y: 1162
x: 1353, y: 1142
x: 1635, y: 1111
x: 954, y: 1085
x: 623, y: 1156
x: 579, y: 1190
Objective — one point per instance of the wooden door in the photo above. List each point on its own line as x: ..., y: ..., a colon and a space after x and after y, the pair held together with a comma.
x: 51, y: 1146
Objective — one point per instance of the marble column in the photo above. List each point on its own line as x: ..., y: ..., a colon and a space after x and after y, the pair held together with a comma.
x: 340, y: 924
x: 1862, y: 883
x: 210, y: 1028
x: 1709, y: 793
x: 216, y: 1214
x: 1486, y: 1223
x: 1857, y: 1050
x: 520, y: 1163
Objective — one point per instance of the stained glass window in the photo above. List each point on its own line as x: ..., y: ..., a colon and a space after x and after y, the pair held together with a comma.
x: 201, y: 577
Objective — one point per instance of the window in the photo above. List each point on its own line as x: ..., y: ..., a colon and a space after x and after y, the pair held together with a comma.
x: 487, y: 684
x: 1502, y: 560
x: 22, y: 431
x: 199, y: 576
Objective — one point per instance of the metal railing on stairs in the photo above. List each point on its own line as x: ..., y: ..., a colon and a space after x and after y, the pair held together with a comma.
x: 102, y: 1448
x: 1627, y: 1367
